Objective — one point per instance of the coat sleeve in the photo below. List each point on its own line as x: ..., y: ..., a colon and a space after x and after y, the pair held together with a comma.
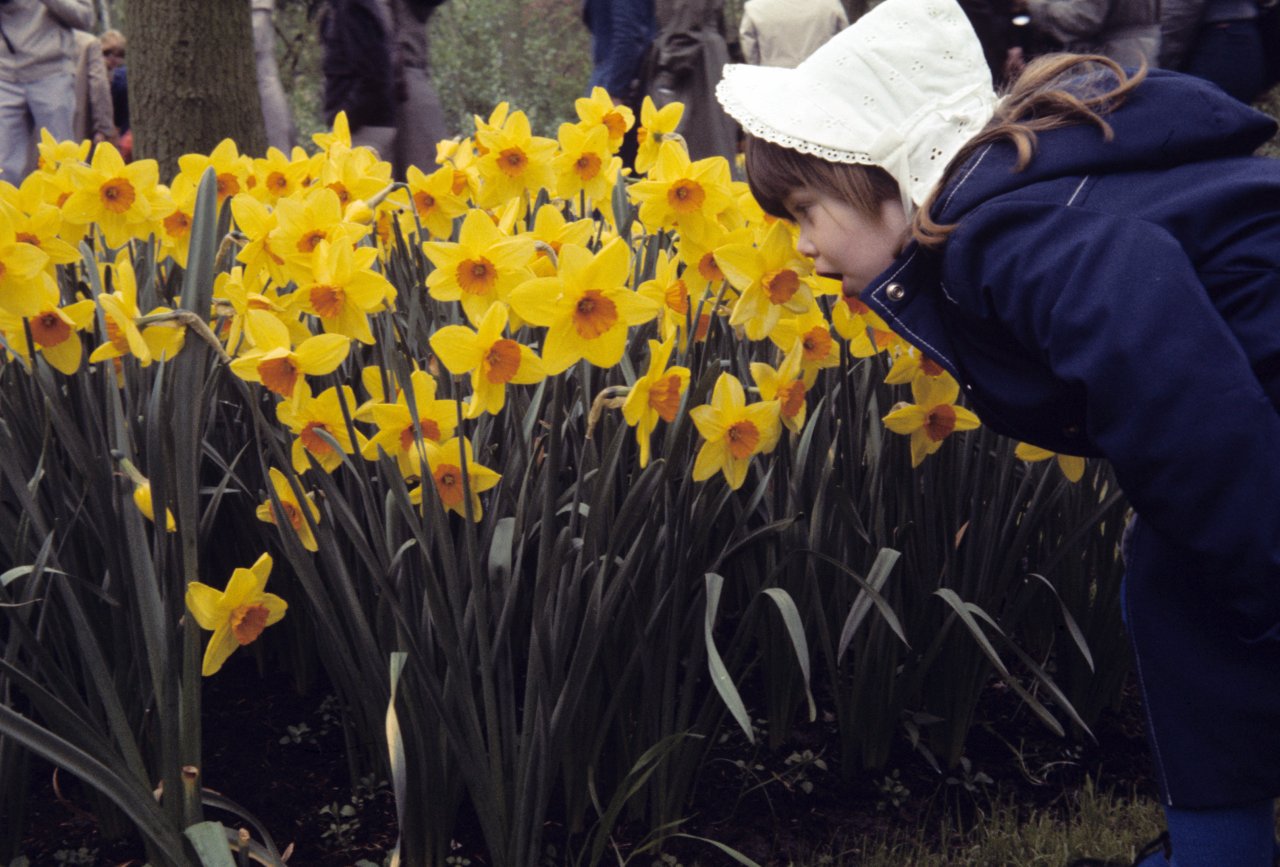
x: 101, y: 118
x: 76, y: 14
x: 1113, y: 304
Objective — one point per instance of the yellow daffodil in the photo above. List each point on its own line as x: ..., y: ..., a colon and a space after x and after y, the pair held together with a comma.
x: 679, y: 305
x: 257, y: 222
x: 600, y: 110
x: 292, y: 509
x: 769, y: 278
x: 681, y: 193
x: 175, y: 227
x: 121, y: 198
x: 733, y: 431
x: 810, y: 330
x: 342, y: 289
x: 371, y: 377
x: 515, y: 162
x: 1072, y: 466
x: 698, y: 249
x: 656, y: 125
x: 461, y: 157
x: 491, y: 359
x: 120, y: 311
x: 239, y: 297
x: 587, y: 308
x: 307, y: 416
x: 445, y: 461
x: 300, y: 226
x: 584, y: 163
x: 784, y: 385
x: 550, y: 232
x: 142, y: 499
x: 354, y: 175
x: 909, y: 364
x: 21, y: 265
x: 279, y: 367
x: 236, y: 615
x: 932, y: 418
x: 338, y: 138
x: 396, y: 435
x: 656, y: 395
x: 38, y: 223
x: 481, y: 269
x: 434, y: 200
x: 231, y: 168
x: 53, y: 329
x: 277, y: 176
x: 52, y: 155
x: 857, y: 323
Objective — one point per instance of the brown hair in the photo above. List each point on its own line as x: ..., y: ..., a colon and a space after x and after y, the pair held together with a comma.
x: 1038, y: 101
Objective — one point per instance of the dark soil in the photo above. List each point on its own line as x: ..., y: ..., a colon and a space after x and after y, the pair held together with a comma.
x: 750, y: 799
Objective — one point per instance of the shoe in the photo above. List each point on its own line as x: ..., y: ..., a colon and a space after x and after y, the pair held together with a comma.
x: 1159, y: 845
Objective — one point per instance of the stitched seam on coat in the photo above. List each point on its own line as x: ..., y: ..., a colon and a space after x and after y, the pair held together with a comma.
x: 918, y: 341
x: 960, y: 182
x: 1079, y: 187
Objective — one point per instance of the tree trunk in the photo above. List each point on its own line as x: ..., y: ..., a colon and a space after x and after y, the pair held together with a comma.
x: 192, y: 80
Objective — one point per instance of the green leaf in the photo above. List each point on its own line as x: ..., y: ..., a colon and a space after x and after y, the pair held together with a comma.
x: 715, y: 665
x: 210, y: 842
x: 876, y: 578
x: 795, y: 629
x: 395, y: 751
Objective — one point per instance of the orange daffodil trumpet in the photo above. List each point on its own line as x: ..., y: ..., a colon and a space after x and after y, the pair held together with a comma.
x: 587, y: 308
x: 932, y: 418
x: 236, y: 615
x: 734, y: 432
x: 291, y: 512
x: 656, y: 395
x: 447, y: 461
x: 491, y: 359
x: 279, y: 366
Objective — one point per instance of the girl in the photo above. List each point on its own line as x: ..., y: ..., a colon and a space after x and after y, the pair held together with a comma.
x: 1096, y: 258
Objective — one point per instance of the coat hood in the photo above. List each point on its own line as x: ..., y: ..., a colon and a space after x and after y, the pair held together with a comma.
x: 1168, y: 120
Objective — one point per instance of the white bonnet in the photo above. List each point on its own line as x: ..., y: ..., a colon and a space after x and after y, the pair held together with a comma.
x: 902, y: 88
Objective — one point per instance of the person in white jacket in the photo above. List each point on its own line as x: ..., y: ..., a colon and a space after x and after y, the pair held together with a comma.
x: 37, y: 75
x: 785, y: 32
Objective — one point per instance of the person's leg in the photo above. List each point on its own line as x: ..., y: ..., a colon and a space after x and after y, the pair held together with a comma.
x: 15, y: 132
x: 420, y: 123
x: 1230, y: 55
x: 50, y: 108
x: 275, y: 106
x: 1226, y: 837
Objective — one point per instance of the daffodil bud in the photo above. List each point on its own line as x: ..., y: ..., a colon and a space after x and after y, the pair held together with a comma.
x: 358, y: 212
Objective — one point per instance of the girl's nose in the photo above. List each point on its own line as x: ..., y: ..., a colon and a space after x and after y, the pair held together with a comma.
x: 805, y: 247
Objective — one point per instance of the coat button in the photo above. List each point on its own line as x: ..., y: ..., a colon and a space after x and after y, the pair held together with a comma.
x: 1071, y: 430
x: 895, y: 291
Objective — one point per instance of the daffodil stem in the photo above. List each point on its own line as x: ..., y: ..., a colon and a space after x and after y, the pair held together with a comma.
x: 611, y: 397
x: 190, y: 320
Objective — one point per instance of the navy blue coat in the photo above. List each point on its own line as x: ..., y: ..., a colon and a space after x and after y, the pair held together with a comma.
x: 1121, y: 299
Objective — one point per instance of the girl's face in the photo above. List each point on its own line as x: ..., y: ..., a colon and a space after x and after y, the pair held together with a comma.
x: 844, y: 242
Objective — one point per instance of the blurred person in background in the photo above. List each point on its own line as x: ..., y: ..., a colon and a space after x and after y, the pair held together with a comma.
x: 95, y: 114
x: 113, y: 55
x: 37, y: 72
x: 1127, y: 31
x: 420, y: 122
x: 276, y: 115
x: 622, y: 32
x: 785, y: 32
x: 1220, y: 41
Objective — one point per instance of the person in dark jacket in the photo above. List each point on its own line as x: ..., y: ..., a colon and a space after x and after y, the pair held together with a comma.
x: 1102, y: 276
x: 359, y: 77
